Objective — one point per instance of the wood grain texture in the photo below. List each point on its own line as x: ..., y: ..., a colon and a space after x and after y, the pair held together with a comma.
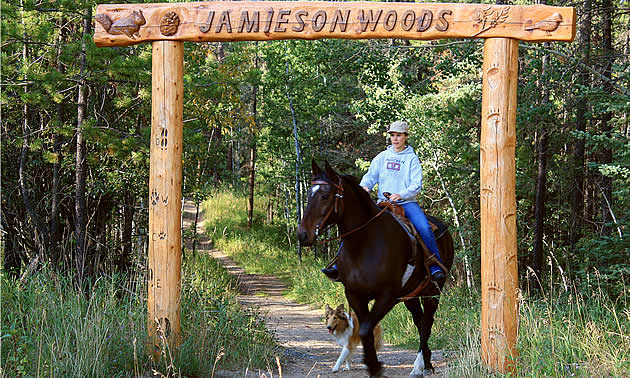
x: 128, y: 24
x: 499, y: 275
x: 165, y: 189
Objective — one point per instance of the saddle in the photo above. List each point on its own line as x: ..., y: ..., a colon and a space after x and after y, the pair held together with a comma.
x: 438, y: 227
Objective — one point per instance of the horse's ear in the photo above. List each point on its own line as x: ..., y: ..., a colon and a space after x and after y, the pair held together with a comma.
x: 317, y: 171
x: 332, y: 175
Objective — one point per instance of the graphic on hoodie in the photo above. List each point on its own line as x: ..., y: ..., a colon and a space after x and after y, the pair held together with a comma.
x: 395, y: 172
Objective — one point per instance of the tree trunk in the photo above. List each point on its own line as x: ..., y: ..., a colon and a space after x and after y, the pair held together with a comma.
x: 230, y: 159
x: 41, y: 237
x: 606, y: 203
x: 83, y: 265
x: 55, y: 232
x: 467, y: 268
x: 252, y: 177
x: 298, y: 160
x: 252, y: 154
x: 541, y: 179
x: 128, y: 213
x: 577, y: 177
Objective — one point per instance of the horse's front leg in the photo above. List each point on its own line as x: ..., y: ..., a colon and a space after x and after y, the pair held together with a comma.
x: 360, y: 307
x: 368, y: 321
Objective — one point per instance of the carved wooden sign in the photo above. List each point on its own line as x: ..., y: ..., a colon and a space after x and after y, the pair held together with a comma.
x: 128, y: 24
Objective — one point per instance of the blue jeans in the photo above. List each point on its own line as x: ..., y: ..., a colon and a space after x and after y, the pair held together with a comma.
x: 415, y: 214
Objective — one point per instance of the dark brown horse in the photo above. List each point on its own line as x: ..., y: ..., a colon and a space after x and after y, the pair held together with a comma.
x: 373, y: 259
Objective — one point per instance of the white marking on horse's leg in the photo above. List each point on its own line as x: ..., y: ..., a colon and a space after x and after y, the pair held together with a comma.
x: 314, y: 189
x: 418, y: 366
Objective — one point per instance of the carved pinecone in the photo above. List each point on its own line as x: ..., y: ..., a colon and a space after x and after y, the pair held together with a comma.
x: 169, y: 23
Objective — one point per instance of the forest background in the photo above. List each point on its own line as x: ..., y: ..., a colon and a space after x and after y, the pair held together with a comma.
x: 76, y: 127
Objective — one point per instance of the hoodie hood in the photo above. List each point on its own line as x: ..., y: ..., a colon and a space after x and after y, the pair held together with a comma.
x: 408, y: 150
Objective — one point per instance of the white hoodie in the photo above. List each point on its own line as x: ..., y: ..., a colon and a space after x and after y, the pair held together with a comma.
x: 395, y: 172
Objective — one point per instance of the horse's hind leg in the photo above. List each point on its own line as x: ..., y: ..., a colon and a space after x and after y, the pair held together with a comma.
x: 430, y: 305
x: 413, y: 305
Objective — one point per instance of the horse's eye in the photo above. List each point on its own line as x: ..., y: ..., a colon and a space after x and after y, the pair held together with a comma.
x: 325, y: 196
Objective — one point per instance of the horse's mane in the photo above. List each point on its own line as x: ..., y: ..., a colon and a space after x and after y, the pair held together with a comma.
x: 363, y: 196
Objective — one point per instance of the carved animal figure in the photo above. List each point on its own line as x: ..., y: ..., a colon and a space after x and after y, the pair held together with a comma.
x: 345, y: 327
x: 548, y: 25
x: 129, y: 26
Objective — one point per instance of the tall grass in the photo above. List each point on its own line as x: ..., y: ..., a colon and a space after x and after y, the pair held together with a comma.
x: 51, y: 329
x: 564, y: 331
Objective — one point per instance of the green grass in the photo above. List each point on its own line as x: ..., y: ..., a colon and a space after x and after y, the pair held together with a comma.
x: 51, y: 329
x: 562, y: 333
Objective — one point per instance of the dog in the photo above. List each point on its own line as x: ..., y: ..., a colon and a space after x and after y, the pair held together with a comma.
x: 345, y: 327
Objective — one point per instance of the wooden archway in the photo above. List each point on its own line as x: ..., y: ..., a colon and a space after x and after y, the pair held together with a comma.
x: 502, y: 26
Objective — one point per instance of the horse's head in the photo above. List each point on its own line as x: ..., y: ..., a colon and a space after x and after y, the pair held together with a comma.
x: 324, y: 203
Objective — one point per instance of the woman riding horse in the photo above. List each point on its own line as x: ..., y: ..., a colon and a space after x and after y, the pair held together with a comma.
x: 397, y: 170
x: 373, y: 260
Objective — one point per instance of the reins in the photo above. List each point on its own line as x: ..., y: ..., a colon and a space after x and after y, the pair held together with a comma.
x: 338, y: 200
x: 339, y: 204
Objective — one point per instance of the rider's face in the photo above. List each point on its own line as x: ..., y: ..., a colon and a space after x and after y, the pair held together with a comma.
x: 398, y: 140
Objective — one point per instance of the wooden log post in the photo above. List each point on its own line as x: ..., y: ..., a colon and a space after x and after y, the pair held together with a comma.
x: 499, y: 276
x: 165, y: 192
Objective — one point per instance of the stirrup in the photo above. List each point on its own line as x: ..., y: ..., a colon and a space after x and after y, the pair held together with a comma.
x: 332, y: 262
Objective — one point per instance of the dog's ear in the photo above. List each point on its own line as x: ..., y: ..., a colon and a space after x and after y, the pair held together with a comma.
x: 340, y: 308
x: 328, y: 308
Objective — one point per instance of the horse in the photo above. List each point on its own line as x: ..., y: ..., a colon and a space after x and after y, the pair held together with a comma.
x: 372, y: 260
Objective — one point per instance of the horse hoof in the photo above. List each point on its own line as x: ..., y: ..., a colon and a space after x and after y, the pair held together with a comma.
x: 377, y: 372
x: 429, y: 371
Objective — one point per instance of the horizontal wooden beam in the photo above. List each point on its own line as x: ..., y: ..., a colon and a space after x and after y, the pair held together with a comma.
x: 129, y: 24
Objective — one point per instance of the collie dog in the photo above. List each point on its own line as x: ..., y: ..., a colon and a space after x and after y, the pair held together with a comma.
x: 345, y: 327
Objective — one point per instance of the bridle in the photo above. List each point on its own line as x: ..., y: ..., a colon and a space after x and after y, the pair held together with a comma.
x: 339, y: 205
x: 338, y: 202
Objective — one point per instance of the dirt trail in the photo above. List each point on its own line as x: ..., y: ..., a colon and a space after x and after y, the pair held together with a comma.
x: 309, y: 351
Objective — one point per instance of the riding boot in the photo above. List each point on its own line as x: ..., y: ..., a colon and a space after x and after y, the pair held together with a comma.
x: 332, y: 273
x: 439, y: 277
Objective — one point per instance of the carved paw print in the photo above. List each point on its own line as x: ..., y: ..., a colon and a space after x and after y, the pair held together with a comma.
x: 162, y: 235
x: 492, y: 76
x: 155, y: 197
x: 162, y: 140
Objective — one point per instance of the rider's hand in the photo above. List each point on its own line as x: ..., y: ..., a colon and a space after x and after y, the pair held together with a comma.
x: 395, y: 197
x: 366, y: 189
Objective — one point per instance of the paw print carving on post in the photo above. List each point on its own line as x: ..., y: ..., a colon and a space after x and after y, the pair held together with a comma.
x: 162, y: 140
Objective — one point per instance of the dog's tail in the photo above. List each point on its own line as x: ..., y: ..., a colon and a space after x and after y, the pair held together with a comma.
x: 378, y: 337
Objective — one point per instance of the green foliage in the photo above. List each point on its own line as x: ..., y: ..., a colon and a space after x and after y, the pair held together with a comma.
x: 570, y: 329
x: 50, y: 328
x: 341, y: 95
